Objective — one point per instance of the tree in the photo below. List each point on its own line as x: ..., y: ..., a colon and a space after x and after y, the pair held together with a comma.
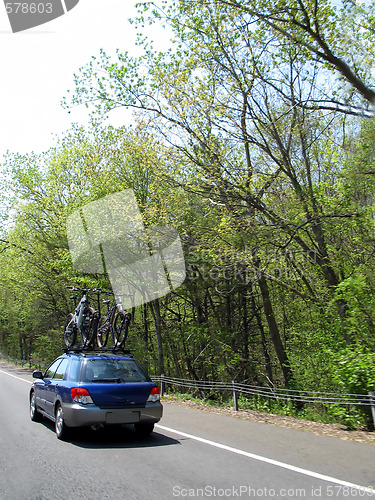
x: 329, y: 34
x: 228, y: 98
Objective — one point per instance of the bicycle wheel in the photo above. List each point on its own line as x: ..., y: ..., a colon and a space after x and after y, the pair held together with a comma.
x: 70, y: 331
x: 88, y: 327
x: 120, y: 328
x: 102, y: 332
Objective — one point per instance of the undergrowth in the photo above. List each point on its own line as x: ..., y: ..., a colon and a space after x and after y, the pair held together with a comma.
x: 351, y: 417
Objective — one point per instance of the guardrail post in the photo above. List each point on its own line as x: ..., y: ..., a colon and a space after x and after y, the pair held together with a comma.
x: 235, y: 396
x: 162, y: 385
x: 372, y: 395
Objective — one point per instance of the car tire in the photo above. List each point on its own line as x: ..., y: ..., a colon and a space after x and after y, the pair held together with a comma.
x: 34, y: 413
x: 62, y: 431
x: 144, y: 429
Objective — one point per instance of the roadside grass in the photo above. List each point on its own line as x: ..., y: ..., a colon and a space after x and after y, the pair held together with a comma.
x: 349, y: 416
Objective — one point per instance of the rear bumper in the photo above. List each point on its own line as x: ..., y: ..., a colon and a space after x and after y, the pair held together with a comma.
x: 77, y: 415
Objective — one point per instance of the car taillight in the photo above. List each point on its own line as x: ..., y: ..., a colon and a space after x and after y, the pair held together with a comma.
x: 154, y: 395
x: 80, y: 395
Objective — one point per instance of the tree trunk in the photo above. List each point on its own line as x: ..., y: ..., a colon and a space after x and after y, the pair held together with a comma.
x: 273, y: 328
x: 145, y: 325
x: 266, y: 354
x: 155, y: 310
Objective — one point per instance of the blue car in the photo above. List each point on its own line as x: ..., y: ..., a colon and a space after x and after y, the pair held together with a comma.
x: 95, y: 389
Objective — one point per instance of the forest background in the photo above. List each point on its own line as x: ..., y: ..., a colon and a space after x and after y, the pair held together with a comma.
x: 253, y: 137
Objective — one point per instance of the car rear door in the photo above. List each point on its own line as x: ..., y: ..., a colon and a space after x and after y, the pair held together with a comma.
x: 55, y: 385
x: 42, y: 386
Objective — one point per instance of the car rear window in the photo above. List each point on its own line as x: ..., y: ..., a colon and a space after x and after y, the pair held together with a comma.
x: 112, y: 370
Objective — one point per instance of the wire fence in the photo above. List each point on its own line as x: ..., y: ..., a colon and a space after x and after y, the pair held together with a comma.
x: 284, y: 395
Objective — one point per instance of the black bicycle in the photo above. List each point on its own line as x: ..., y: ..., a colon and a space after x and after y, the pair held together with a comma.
x: 116, y: 323
x: 83, y: 320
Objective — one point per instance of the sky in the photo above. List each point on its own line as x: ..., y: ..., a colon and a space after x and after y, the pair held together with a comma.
x: 37, y: 67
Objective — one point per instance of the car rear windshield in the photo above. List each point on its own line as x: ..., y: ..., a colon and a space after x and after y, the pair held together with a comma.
x: 112, y: 370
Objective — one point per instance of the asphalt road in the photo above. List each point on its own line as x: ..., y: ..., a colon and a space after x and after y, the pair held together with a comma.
x: 191, y: 454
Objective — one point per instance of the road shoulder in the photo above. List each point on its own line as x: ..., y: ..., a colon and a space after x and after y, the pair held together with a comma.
x: 333, y: 430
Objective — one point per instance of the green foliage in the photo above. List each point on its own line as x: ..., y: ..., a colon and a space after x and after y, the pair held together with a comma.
x: 354, y: 370
x: 359, y: 301
x: 47, y: 347
x: 352, y: 417
x: 278, y: 407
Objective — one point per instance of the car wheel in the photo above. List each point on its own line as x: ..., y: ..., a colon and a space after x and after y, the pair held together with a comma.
x: 34, y: 413
x: 62, y: 431
x: 144, y: 429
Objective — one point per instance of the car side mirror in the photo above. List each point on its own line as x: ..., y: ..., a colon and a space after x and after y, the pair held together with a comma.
x: 37, y: 374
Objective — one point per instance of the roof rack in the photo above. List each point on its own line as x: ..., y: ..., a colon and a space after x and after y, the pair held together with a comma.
x: 91, y: 350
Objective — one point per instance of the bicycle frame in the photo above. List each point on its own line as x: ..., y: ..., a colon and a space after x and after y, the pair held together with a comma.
x: 106, y: 328
x: 78, y: 311
x: 77, y: 321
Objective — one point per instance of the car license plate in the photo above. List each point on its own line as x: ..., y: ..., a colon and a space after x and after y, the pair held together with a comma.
x: 122, y: 417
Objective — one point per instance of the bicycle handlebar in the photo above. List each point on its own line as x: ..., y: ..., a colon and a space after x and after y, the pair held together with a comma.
x: 97, y: 290
x: 76, y: 289
x: 83, y: 290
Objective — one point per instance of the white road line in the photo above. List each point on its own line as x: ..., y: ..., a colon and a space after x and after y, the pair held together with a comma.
x: 270, y: 461
x: 14, y: 376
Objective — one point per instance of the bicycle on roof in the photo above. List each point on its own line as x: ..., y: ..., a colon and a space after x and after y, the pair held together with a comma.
x: 83, y: 320
x: 116, y: 323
